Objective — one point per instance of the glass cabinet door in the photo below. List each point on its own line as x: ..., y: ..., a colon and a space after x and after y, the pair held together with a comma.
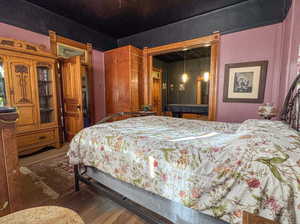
x: 45, y: 85
x: 3, y: 99
x: 85, y: 95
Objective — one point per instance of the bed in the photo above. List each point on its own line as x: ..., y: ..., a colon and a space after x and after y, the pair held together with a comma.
x: 172, y: 170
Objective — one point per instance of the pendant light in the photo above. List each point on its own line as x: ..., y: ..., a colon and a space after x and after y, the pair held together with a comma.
x: 206, y: 76
x: 184, y: 76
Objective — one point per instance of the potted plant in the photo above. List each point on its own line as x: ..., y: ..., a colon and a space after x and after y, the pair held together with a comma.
x: 146, y: 107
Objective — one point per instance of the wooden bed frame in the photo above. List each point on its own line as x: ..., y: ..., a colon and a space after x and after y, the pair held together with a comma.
x: 290, y: 114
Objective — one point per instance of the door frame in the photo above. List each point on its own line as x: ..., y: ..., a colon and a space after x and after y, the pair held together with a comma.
x: 71, y: 101
x: 158, y: 70
x: 212, y: 41
x: 56, y: 39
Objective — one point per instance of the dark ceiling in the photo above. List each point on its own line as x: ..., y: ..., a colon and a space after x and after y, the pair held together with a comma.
x: 194, y: 53
x: 121, y: 18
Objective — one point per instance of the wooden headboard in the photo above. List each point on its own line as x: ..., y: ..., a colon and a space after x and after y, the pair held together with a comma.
x: 291, y: 107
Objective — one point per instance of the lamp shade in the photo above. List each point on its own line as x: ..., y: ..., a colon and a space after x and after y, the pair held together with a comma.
x: 267, y: 111
x: 184, y: 77
x: 206, y: 76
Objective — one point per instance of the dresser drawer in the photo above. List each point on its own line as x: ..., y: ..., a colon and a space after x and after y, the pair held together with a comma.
x: 38, y: 138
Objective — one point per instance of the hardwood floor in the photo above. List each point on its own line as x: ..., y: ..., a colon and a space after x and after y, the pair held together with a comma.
x: 93, y: 207
x: 96, y: 209
x: 44, y: 155
x: 119, y: 216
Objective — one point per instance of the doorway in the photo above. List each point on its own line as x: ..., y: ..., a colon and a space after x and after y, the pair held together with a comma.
x: 75, y: 79
x: 210, y: 42
x: 185, y: 75
x: 74, y: 96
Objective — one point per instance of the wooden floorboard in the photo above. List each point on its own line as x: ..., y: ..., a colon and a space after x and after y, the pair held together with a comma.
x: 93, y: 207
x: 39, y: 157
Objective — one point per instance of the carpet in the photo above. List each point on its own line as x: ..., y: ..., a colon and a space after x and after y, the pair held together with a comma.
x: 46, y: 181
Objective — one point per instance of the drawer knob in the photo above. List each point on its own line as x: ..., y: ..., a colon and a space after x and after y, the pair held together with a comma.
x: 4, y: 206
x: 42, y: 137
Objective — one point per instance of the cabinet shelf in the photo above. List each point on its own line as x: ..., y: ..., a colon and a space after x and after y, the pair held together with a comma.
x: 45, y: 94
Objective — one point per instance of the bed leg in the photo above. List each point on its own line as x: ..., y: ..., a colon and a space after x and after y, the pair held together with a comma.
x: 76, y: 178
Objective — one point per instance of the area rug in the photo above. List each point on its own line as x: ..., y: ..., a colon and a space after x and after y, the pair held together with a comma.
x: 46, y: 181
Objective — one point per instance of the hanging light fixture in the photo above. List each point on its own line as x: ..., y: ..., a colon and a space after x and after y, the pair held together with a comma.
x: 184, y: 76
x: 206, y: 76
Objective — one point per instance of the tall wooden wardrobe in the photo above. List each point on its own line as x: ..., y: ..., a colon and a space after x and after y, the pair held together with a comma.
x: 27, y: 82
x: 123, y: 70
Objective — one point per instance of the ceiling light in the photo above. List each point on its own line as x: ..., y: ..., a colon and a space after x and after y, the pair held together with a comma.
x: 206, y: 76
x: 184, y: 77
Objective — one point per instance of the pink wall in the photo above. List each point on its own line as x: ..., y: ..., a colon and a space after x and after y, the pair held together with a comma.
x: 279, y: 44
x: 257, y: 44
x: 22, y: 34
x: 291, y: 43
x: 98, y: 62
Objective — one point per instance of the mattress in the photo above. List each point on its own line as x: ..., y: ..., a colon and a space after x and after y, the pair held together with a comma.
x: 217, y: 168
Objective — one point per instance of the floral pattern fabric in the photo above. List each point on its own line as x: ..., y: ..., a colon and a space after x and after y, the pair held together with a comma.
x: 220, y: 169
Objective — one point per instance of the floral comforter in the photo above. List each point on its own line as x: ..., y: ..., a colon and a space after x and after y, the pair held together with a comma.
x: 220, y: 169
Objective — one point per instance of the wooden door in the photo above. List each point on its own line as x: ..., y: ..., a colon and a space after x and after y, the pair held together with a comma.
x: 72, y: 96
x: 156, y: 91
x: 23, y: 92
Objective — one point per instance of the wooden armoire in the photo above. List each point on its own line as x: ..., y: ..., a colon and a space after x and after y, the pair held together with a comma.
x: 27, y: 82
x: 123, y: 70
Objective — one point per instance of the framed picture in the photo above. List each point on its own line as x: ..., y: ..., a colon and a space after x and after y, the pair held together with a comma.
x: 245, y: 82
x: 66, y: 51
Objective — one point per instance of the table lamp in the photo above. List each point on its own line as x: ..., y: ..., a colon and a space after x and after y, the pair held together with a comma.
x: 267, y: 111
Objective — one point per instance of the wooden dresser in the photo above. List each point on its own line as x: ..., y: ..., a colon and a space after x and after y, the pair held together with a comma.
x: 28, y: 82
x: 9, y: 167
x: 123, y: 70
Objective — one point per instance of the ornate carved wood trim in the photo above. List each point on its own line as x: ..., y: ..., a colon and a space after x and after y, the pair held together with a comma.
x: 44, y: 64
x: 194, y: 43
x: 24, y: 47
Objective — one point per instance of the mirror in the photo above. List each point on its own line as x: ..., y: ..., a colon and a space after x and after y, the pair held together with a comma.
x: 85, y: 95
